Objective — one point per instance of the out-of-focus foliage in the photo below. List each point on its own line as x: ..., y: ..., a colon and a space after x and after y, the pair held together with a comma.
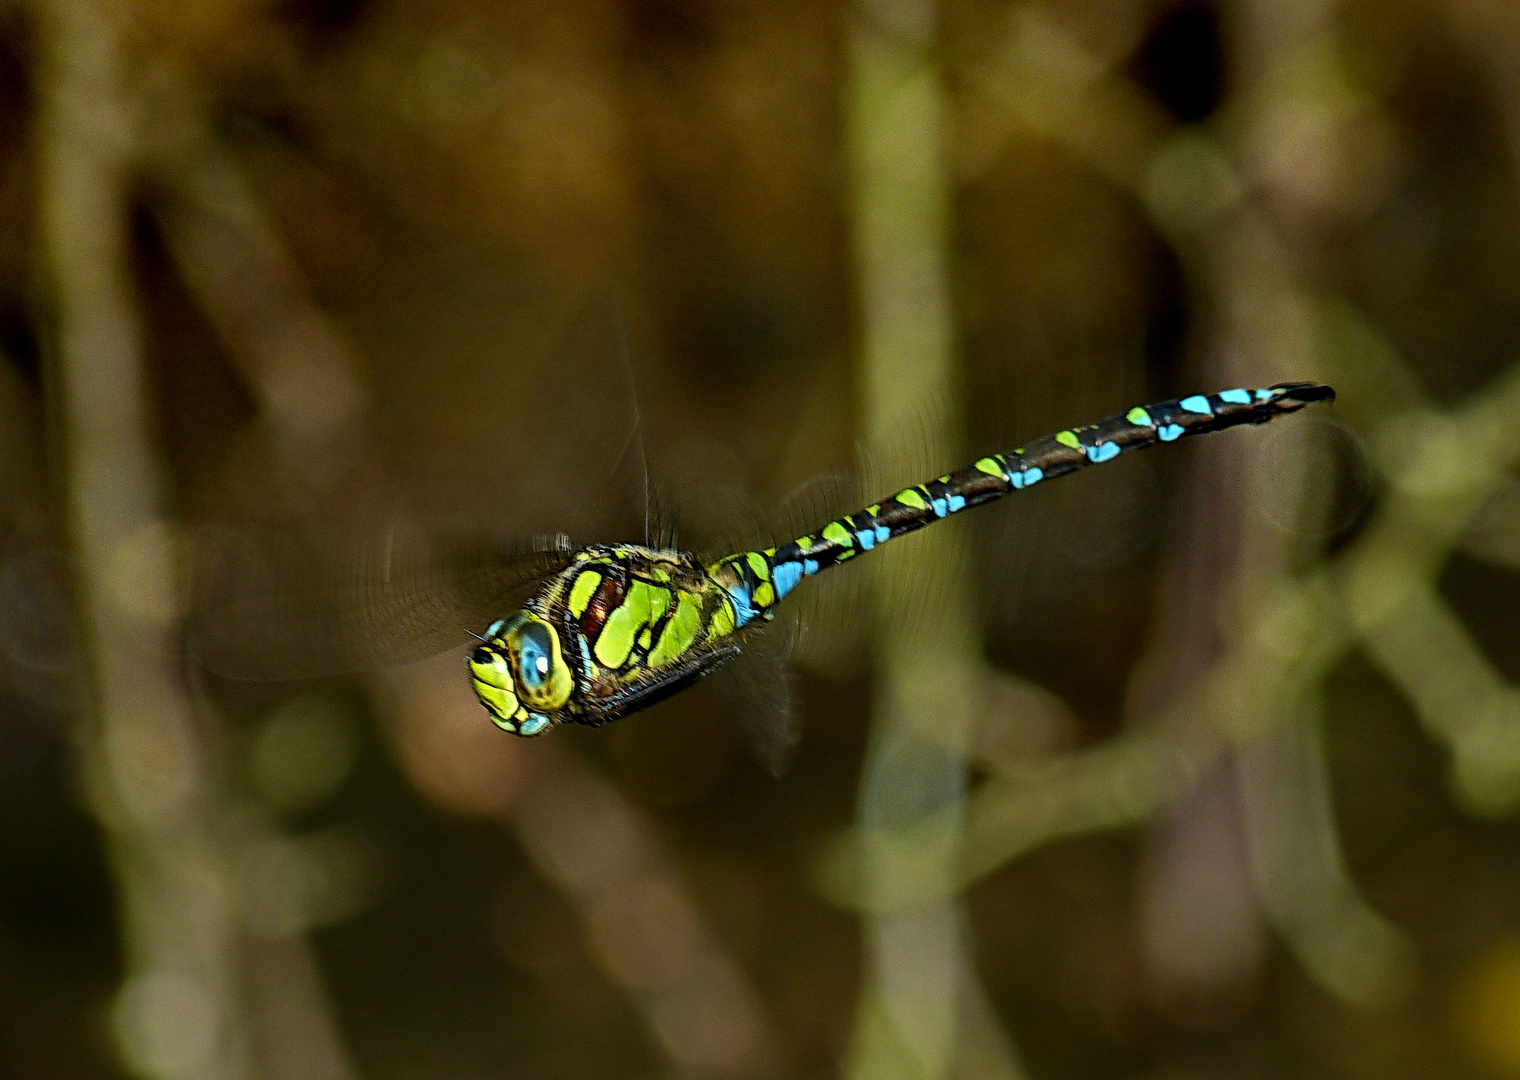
x: 1206, y: 763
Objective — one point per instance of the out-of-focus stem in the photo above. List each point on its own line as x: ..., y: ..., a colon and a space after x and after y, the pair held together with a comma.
x: 1300, y: 872
x: 1378, y: 592
x: 176, y: 1016
x: 1293, y: 638
x: 1194, y: 183
x: 928, y: 658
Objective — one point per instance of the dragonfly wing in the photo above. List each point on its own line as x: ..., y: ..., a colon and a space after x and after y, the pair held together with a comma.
x: 756, y: 690
x: 271, y: 605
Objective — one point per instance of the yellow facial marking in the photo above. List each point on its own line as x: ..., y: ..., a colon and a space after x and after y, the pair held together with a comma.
x: 493, y: 686
x: 501, y: 706
x: 493, y: 672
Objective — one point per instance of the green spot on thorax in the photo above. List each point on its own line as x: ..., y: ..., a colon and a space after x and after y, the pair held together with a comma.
x: 759, y: 564
x: 679, y: 632
x: 615, y: 641
x: 990, y: 467
x: 1068, y: 438
x: 580, y: 592
x: 659, y: 603
x: 723, y: 621
x: 910, y: 497
x: 1139, y: 417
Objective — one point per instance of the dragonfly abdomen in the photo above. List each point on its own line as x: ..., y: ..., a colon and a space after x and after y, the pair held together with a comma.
x: 758, y: 580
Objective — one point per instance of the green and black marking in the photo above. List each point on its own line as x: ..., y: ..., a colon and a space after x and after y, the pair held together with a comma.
x: 623, y: 626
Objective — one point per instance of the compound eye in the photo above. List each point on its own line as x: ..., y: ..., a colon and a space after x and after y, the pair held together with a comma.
x: 536, y: 655
x: 543, y: 678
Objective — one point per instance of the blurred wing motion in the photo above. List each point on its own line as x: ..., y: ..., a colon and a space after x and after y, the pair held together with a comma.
x: 270, y: 604
x: 305, y: 600
x: 755, y: 690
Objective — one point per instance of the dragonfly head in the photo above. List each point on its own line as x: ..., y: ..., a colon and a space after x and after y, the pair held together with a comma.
x: 520, y: 675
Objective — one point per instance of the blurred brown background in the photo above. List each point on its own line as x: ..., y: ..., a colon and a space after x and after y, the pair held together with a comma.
x: 1201, y: 765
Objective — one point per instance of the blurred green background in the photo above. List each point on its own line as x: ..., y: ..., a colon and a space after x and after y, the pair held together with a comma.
x: 1202, y: 765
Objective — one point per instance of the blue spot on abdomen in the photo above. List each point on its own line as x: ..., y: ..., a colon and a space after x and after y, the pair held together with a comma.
x: 1235, y: 397
x: 1102, y: 452
x: 744, y: 610
x: 1197, y: 404
x: 785, y: 577
x: 1168, y: 432
x: 956, y: 502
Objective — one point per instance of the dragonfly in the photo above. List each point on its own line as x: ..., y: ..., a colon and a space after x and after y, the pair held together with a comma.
x: 620, y: 627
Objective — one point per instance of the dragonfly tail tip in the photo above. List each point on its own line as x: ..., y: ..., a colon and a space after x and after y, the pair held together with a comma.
x: 1305, y: 392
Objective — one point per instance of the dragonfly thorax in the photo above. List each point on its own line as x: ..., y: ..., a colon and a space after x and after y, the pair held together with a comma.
x: 619, y: 628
